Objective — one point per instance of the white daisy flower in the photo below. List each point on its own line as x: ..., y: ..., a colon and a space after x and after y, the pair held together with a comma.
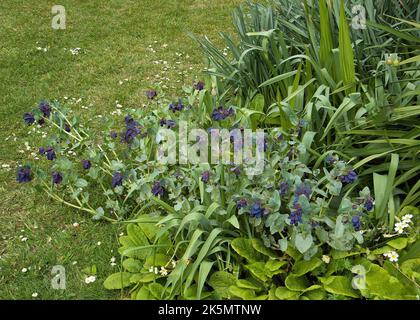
x: 407, y: 218
x: 76, y: 225
x: 151, y: 269
x: 392, y: 256
x: 399, y: 227
x: 405, y: 224
x: 35, y: 294
x: 163, y: 271
x: 90, y: 279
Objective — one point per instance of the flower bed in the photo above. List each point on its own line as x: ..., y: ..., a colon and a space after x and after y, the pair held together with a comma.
x: 324, y: 219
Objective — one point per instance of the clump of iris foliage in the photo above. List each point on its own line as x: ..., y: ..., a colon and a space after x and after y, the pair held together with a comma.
x: 334, y: 213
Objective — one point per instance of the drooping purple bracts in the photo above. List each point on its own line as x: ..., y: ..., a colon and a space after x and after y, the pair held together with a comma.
x: 117, y: 179
x: 349, y: 177
x: 257, y: 211
x: 283, y: 188
x: 57, y: 178
x: 86, y: 164
x: 169, y: 123
x: 45, y: 108
x: 50, y: 153
x: 176, y: 107
x: 158, y: 189
x: 23, y: 174
x: 205, y: 176
x: 369, y: 204
x: 151, y: 94
x: 133, y: 129
x: 242, y: 203
x: 356, y: 222
x: 222, y: 113
x: 29, y: 118
x: 296, y: 215
x: 199, y: 85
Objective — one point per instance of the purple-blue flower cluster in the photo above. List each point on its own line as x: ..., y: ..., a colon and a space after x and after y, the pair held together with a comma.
x: 199, y: 85
x: 133, y: 129
x: 151, y: 94
x: 29, y: 118
x: 117, y: 179
x: 257, y: 210
x: 168, y: 123
x: 57, y: 178
x: 348, y: 177
x: 331, y: 159
x: 23, y: 174
x: 369, y: 204
x: 283, y: 188
x: 49, y: 153
x: 303, y: 189
x: 205, y: 176
x: 222, y: 113
x: 241, y: 203
x: 86, y: 164
x: 158, y: 189
x: 176, y: 107
x: 45, y: 108
x: 296, y: 214
x: 356, y: 222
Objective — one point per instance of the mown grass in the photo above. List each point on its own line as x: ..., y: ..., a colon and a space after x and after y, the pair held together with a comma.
x: 116, y: 40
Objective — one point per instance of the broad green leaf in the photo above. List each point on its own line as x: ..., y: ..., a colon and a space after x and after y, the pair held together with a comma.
x: 318, y: 294
x: 296, y: 283
x: 132, y: 265
x: 258, y: 270
x: 380, y: 284
x: 249, y: 284
x: 399, y: 243
x: 303, y: 267
x: 245, y: 249
x: 144, y: 294
x: 220, y: 281
x: 258, y: 245
x: 117, y: 281
x: 283, y: 293
x: 244, y: 294
x: 273, y: 266
x: 339, y: 285
x: 156, y: 260
x: 156, y: 290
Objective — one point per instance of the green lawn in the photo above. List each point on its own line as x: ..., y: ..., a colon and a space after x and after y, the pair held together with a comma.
x: 126, y: 48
